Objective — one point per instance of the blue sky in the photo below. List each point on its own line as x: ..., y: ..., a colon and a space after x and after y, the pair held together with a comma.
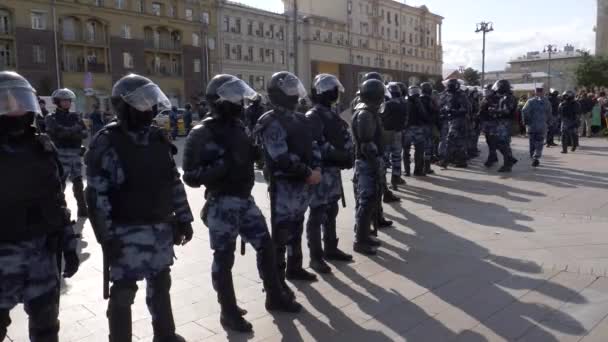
x: 520, y: 26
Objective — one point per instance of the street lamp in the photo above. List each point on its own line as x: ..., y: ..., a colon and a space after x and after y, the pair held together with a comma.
x: 551, y: 49
x: 484, y: 27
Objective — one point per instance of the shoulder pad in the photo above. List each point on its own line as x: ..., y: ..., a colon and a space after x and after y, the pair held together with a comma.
x: 111, y: 126
x: 266, y: 118
x: 46, y: 143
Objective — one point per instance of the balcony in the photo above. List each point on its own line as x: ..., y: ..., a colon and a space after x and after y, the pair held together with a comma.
x: 165, y: 71
x: 72, y: 65
x: 78, y: 38
x: 96, y: 67
x: 163, y: 45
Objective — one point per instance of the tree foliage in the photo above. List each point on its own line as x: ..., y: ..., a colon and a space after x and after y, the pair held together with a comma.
x: 471, y: 76
x: 592, y: 72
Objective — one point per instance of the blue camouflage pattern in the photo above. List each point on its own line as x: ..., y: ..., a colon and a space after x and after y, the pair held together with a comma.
x: 71, y: 162
x: 147, y: 249
x: 367, y: 185
x: 427, y: 132
x: 28, y: 270
x: 417, y: 136
x: 454, y: 133
x: 498, y: 135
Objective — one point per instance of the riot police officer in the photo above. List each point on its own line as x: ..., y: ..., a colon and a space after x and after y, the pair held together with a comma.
x: 455, y: 108
x: 369, y: 168
x: 252, y: 113
x: 332, y: 135
x: 137, y: 215
x: 219, y: 154
x: 293, y: 166
x: 35, y: 220
x: 432, y: 111
x: 415, y: 133
x: 474, y: 124
x: 394, y: 118
x: 569, y: 111
x: 497, y: 113
x: 67, y: 130
x: 555, y: 122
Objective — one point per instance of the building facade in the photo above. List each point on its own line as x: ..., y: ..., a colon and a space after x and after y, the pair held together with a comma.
x: 86, y: 45
x: 253, y: 43
x: 351, y: 37
x: 601, y: 43
x: 560, y: 67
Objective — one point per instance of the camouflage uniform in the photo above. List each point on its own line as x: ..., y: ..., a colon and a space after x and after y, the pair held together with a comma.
x: 28, y: 258
x: 569, y: 113
x: 145, y: 250
x: 336, y: 147
x: 497, y: 113
x: 290, y: 155
x: 455, y: 108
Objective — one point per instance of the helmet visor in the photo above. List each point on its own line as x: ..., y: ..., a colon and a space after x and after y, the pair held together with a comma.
x: 414, y: 91
x: 17, y: 100
x: 327, y: 82
x: 292, y: 86
x: 235, y: 91
x: 146, y: 97
x: 64, y: 94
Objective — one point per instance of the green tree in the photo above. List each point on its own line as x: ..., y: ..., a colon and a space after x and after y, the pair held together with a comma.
x: 592, y: 72
x: 471, y: 76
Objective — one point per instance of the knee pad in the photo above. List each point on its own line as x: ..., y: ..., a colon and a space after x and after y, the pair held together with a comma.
x: 162, y: 281
x: 123, y: 293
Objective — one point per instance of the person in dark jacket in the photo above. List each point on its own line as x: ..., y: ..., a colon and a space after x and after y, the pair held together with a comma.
x: 569, y: 111
x: 394, y: 118
x: 188, y: 118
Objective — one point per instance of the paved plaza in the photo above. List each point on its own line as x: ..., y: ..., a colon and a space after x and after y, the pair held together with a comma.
x: 474, y: 256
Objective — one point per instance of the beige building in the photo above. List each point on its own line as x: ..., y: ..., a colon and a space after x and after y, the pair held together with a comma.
x: 86, y: 45
x: 560, y: 67
x: 601, y: 43
x: 351, y: 37
x: 253, y: 44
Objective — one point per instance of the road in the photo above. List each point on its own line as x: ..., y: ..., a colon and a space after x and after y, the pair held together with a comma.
x: 474, y: 256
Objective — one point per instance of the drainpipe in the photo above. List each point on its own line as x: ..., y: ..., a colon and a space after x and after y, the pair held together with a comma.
x: 58, y: 73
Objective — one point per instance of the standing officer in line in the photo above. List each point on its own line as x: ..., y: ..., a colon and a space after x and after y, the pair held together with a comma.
x: 474, y: 124
x: 497, y: 111
x: 35, y: 219
x: 293, y: 166
x: 219, y: 154
x: 67, y: 130
x: 394, y: 118
x: 455, y: 108
x: 555, y: 122
x: 137, y: 215
x: 418, y: 119
x: 569, y: 112
x: 335, y: 143
x: 432, y: 111
x: 369, y: 164
x: 536, y: 115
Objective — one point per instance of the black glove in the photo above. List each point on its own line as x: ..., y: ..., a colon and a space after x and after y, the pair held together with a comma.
x: 112, y: 249
x: 72, y: 262
x: 182, y: 233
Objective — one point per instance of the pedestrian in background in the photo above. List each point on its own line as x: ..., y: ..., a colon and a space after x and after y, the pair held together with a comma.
x: 586, y: 105
x: 188, y: 118
x: 173, y: 118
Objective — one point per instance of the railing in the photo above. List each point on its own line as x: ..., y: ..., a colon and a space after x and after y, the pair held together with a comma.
x: 78, y: 37
x: 165, y: 71
x: 5, y: 30
x: 72, y: 66
x: 96, y: 67
x: 162, y: 45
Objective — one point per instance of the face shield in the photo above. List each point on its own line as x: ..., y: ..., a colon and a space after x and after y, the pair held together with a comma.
x: 235, y: 92
x: 327, y: 82
x: 292, y: 86
x: 414, y: 91
x: 146, y: 97
x: 17, y: 99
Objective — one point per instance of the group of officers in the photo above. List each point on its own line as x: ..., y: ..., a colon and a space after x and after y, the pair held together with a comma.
x: 139, y: 216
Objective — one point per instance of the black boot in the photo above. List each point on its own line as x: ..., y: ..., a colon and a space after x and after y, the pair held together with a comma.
x: 332, y: 252
x: 508, y: 165
x: 5, y: 321
x: 159, y: 303
x: 406, y: 164
x: 427, y: 168
x: 119, y: 311
x: 492, y: 159
x: 396, y: 181
x: 78, y: 188
x: 313, y: 235
x: 43, y: 323
x: 419, y: 162
x: 277, y: 299
x: 389, y: 197
x: 383, y: 222
x: 574, y: 142
x: 230, y: 316
x: 362, y: 234
x: 294, y: 264
x: 281, y: 265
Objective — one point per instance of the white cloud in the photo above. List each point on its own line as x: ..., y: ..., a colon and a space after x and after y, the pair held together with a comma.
x: 504, y: 46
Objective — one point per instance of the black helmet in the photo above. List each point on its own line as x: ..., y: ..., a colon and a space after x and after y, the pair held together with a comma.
x: 487, y: 90
x: 285, y: 89
x: 18, y: 103
x: 414, y: 91
x: 568, y: 95
x: 453, y: 85
x: 426, y: 88
x: 136, y: 100
x: 372, y: 92
x: 395, y: 90
x: 372, y: 76
x: 403, y: 88
x: 502, y: 87
x: 62, y: 94
x: 326, y: 89
x: 226, y: 95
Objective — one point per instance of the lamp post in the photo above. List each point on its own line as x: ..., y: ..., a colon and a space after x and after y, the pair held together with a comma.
x: 484, y: 27
x: 551, y: 48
